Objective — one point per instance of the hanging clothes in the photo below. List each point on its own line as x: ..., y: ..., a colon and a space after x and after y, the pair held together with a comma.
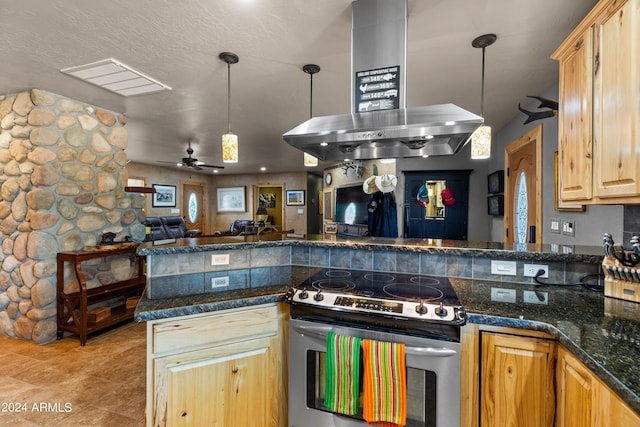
x: 383, y: 217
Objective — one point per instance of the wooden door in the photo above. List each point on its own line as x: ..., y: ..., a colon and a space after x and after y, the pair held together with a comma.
x: 193, y: 205
x: 574, y: 391
x: 616, y: 106
x: 575, y: 158
x: 523, y: 188
x: 517, y: 387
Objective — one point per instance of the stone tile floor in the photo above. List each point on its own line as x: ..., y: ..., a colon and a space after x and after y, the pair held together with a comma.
x: 64, y: 384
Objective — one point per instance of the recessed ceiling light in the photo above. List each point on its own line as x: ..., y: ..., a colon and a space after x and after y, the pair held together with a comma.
x: 324, y: 144
x: 116, y: 77
x: 263, y: 169
x: 215, y: 171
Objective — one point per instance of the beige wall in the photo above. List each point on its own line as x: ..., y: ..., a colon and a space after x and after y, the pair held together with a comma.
x: 221, y: 221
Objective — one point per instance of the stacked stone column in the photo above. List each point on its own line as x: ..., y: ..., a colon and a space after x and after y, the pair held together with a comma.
x: 62, y: 179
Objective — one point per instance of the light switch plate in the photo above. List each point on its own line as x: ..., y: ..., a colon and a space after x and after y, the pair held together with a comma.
x: 219, y: 282
x: 219, y: 259
x: 505, y: 268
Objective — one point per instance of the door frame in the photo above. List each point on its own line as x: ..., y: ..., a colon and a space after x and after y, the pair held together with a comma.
x: 535, y: 135
x: 256, y: 202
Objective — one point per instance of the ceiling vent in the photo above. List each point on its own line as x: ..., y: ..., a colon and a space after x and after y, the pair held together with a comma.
x: 116, y: 77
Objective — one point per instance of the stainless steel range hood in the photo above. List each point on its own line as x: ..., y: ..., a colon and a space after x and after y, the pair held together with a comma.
x: 380, y: 125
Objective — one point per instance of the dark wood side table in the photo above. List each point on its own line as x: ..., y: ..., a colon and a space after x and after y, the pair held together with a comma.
x: 72, y: 313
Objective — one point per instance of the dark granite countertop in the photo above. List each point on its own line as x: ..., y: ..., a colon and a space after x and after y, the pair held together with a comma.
x: 495, y: 250
x: 604, y: 333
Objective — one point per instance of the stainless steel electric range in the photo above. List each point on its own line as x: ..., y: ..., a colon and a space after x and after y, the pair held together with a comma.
x: 422, y: 312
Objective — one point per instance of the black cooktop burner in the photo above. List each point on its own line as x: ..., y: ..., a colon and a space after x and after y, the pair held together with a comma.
x: 413, y: 292
x: 334, y: 285
x: 388, y: 286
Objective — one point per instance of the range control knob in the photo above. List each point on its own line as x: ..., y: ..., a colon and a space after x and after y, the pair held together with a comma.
x: 421, y: 308
x: 303, y: 294
x: 461, y: 313
x: 441, y: 311
x: 318, y: 296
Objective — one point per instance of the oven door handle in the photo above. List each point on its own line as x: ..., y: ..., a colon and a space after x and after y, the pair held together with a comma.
x: 321, y: 332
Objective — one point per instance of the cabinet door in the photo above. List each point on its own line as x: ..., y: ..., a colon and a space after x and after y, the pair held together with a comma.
x: 517, y: 381
x: 574, y: 392
x: 574, y: 125
x: 583, y: 400
x: 616, y: 107
x: 233, y: 384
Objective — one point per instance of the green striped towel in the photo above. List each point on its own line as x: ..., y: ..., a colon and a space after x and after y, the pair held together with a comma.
x: 342, y: 374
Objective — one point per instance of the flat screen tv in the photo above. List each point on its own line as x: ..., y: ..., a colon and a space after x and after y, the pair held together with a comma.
x: 351, y: 205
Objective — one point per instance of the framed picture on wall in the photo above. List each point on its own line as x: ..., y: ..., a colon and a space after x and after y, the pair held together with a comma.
x: 164, y: 197
x: 295, y: 197
x: 495, y: 182
x: 495, y: 205
x: 328, y: 205
x: 231, y: 199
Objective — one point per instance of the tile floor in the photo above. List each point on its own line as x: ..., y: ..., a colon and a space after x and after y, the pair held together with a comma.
x: 63, y: 384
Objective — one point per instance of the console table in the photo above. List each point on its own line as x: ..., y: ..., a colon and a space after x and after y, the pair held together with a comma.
x: 72, y: 307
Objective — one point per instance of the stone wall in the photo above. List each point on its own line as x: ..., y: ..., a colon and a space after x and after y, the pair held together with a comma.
x: 62, y: 178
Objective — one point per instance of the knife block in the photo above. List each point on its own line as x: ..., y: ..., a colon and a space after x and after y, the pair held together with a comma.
x: 620, y: 281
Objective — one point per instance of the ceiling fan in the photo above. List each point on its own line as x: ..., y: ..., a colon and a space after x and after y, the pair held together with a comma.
x: 192, y: 162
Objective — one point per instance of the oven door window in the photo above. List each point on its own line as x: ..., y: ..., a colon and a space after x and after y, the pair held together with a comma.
x: 421, y: 391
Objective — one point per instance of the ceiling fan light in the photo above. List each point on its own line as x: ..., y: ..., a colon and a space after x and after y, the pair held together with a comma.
x: 230, y: 148
x: 309, y: 160
x: 481, y: 143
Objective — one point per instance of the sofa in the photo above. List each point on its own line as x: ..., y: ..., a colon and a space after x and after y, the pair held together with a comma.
x: 168, y: 227
x: 239, y: 227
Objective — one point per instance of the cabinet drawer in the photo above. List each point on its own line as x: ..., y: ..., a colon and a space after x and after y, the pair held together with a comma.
x: 205, y: 330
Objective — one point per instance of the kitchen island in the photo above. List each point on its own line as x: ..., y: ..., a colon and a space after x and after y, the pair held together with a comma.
x: 196, y: 276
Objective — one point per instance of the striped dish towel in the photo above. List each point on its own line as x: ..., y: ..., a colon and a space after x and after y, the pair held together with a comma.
x: 342, y: 374
x: 384, y: 384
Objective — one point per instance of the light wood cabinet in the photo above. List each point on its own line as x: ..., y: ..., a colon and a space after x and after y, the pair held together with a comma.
x: 517, y: 387
x: 574, y: 127
x: 583, y: 400
x: 599, y: 116
x: 218, y: 369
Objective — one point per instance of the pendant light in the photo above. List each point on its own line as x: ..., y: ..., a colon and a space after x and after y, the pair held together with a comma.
x: 481, y: 138
x: 311, y: 69
x: 229, y: 140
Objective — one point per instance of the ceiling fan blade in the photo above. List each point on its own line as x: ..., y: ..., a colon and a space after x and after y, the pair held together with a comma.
x: 196, y: 167
x: 211, y: 166
x: 169, y: 163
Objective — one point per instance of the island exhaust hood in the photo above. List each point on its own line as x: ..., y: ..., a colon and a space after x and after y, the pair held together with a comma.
x: 380, y: 125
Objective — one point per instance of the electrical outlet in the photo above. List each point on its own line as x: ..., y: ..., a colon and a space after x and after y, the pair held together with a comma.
x: 219, y: 259
x: 219, y: 282
x: 555, y: 225
x: 530, y: 270
x: 505, y: 268
x: 503, y: 295
x: 536, y: 297
x: 568, y: 227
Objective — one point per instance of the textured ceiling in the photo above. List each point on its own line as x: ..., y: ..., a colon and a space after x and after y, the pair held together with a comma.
x: 178, y: 43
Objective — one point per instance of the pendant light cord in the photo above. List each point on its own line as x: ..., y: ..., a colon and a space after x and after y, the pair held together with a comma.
x: 482, y: 87
x: 229, y: 95
x: 311, y: 96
